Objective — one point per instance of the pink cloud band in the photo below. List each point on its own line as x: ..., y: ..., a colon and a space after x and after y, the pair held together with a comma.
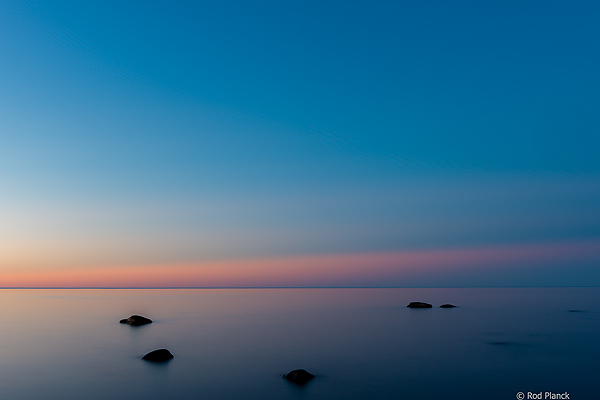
x: 312, y: 270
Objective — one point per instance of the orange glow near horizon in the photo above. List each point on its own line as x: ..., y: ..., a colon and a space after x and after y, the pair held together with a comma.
x: 314, y: 270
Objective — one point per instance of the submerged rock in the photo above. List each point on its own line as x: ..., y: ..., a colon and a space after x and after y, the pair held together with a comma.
x: 159, y: 355
x: 418, y: 304
x: 299, y: 376
x: 447, y: 306
x: 136, y: 320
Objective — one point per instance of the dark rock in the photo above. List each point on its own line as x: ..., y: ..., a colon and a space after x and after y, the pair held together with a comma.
x: 299, y: 376
x: 418, y: 304
x: 136, y: 320
x: 160, y: 355
x: 447, y: 306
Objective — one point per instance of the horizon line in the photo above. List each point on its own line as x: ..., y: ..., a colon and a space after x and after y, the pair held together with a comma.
x: 297, y: 287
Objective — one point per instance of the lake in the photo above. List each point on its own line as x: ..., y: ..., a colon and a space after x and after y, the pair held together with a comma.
x: 359, y: 343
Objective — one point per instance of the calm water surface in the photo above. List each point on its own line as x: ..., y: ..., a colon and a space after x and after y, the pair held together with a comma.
x: 360, y: 343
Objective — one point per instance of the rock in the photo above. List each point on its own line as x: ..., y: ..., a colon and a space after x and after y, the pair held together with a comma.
x: 418, y: 304
x: 447, y: 306
x: 160, y: 355
x: 136, y: 320
x: 299, y: 376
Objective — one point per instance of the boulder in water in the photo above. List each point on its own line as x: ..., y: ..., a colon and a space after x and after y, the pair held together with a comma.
x: 418, y: 304
x: 447, y: 306
x: 136, y: 320
x: 160, y: 355
x: 299, y: 376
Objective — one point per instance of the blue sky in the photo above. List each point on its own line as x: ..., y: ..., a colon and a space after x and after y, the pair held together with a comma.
x: 152, y: 133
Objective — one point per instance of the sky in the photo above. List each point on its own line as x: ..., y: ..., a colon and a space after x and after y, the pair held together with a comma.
x: 299, y: 143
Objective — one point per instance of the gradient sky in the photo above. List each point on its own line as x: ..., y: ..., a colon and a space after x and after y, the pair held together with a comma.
x: 299, y: 143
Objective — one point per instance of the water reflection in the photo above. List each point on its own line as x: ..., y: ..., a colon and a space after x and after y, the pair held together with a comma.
x: 359, y: 343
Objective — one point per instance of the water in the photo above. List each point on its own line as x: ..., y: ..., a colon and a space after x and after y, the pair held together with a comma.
x: 360, y: 343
